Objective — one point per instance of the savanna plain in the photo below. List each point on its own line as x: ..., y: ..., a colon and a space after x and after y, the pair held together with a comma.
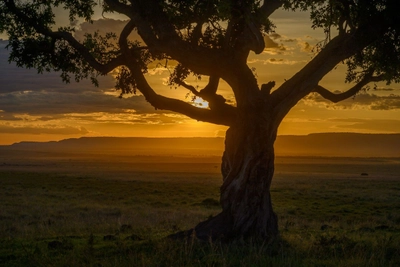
x: 66, y: 209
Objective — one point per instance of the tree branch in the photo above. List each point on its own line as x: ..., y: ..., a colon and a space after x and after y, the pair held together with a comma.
x: 270, y: 6
x: 306, y: 80
x: 208, y: 93
x: 161, y: 38
x: 325, y: 93
x: 144, y: 29
x: 338, y: 49
x: 84, y: 52
x: 197, y: 33
x: 191, y: 88
x: 119, y: 7
x: 67, y: 36
x: 223, y: 116
x: 250, y: 37
x: 216, y: 102
x: 123, y: 38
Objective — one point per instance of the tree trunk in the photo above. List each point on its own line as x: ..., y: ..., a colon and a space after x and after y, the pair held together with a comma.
x: 247, y: 170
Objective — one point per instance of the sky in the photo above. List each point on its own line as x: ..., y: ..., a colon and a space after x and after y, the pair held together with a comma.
x: 40, y: 107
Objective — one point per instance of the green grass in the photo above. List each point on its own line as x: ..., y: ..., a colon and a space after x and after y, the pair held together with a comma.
x: 56, y: 219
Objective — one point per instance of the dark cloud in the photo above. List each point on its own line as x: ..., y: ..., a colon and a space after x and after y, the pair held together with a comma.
x: 24, y: 91
x: 275, y: 60
x: 363, y: 100
x: 274, y: 35
x: 8, y: 117
x: 48, y: 129
x: 289, y: 40
x: 14, y: 79
x: 43, y: 103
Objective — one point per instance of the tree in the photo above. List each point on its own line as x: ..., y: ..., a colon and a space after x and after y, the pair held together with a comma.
x: 213, y: 38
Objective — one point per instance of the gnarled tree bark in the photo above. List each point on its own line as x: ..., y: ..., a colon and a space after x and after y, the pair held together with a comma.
x: 247, y: 169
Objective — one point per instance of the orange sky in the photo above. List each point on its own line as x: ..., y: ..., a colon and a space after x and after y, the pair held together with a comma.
x: 40, y: 107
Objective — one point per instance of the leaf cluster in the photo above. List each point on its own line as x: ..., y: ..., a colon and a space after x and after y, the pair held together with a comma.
x: 337, y: 17
x: 27, y: 22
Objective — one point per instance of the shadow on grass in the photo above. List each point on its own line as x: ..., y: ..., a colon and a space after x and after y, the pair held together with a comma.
x: 326, y: 248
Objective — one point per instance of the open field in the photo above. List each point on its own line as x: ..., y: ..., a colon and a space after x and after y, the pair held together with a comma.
x: 97, y: 210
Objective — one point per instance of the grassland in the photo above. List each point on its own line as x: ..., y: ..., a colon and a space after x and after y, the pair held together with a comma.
x: 63, y: 210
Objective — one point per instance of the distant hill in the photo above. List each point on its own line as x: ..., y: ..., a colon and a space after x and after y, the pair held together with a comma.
x: 321, y: 144
x: 339, y: 145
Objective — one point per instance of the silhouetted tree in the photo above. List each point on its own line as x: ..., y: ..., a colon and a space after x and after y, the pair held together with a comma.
x: 214, y: 38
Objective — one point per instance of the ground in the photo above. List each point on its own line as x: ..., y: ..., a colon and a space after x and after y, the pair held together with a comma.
x: 107, y: 210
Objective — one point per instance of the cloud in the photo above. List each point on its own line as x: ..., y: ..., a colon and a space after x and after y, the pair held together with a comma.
x: 360, y: 101
x: 274, y: 35
x: 15, y: 79
x: 42, y: 103
x: 281, y: 61
x: 127, y: 117
x: 47, y: 129
x: 375, y: 125
x: 8, y: 117
x: 305, y: 47
x: 289, y: 40
x: 291, y: 44
x: 385, y: 89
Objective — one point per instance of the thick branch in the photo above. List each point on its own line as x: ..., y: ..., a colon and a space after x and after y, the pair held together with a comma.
x: 161, y: 38
x: 123, y: 38
x: 197, y: 33
x: 223, y: 116
x: 246, y: 33
x: 200, y: 114
x: 306, y: 80
x: 119, y: 7
x: 191, y: 88
x: 270, y: 6
x: 216, y: 102
x: 144, y: 28
x: 211, y: 87
x: 325, y: 93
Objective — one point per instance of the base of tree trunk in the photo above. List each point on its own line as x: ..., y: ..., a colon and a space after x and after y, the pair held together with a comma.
x: 220, y: 228
x: 215, y: 228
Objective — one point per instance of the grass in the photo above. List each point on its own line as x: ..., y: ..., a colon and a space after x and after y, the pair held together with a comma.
x: 96, y: 219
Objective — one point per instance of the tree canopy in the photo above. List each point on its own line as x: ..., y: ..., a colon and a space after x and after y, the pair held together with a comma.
x: 209, y: 38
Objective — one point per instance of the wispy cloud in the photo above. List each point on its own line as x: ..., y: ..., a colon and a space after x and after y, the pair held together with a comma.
x: 369, y: 125
x: 46, y: 129
x: 370, y: 101
x: 42, y: 103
